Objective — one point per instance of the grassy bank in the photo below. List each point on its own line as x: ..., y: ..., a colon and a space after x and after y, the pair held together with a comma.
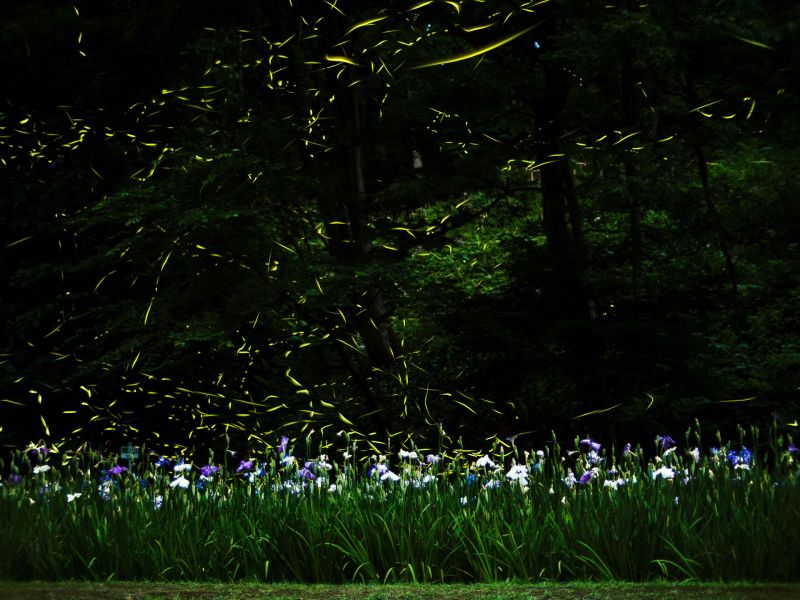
x: 506, y: 591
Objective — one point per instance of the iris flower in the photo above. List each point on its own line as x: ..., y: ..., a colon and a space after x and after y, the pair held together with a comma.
x: 390, y: 476
x: 590, y: 444
x: 570, y: 480
x: 485, y: 461
x: 305, y: 472
x: 182, y: 466
x: 117, y: 470
x: 163, y: 462
x: 518, y: 472
x: 409, y: 455
x: 244, y: 465
x: 432, y: 459
x: 593, y: 458
x: 283, y: 444
x: 208, y: 470
x: 665, y: 441
x: 614, y: 483
x: 71, y: 497
x: 41, y: 469
x: 181, y: 482
x: 379, y: 468
x: 740, y: 460
x: 664, y: 472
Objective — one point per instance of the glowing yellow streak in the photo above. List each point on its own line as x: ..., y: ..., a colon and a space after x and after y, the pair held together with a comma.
x: 341, y: 59
x: 594, y: 412
x: 737, y: 400
x: 419, y: 5
x: 147, y: 314
x: 699, y: 108
x: 286, y: 248
x: 25, y: 239
x: 479, y: 27
x: 292, y: 379
x: 478, y: 52
x: 752, y: 107
x: 651, y: 401
x: 619, y: 141
x: 54, y: 330
x: 753, y: 43
x: 102, y: 279
x: 465, y: 406
x: 666, y: 139
x: 455, y: 5
x: 361, y: 24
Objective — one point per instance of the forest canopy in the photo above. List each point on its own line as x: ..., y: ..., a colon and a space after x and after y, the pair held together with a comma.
x: 234, y: 221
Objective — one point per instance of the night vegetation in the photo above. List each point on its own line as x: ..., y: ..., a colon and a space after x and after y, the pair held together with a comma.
x: 477, y: 223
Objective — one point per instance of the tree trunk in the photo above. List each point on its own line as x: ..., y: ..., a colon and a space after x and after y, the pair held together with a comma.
x: 634, y: 209
x: 720, y: 233
x: 566, y: 246
x: 349, y: 242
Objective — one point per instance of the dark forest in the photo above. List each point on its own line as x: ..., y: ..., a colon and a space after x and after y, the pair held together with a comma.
x: 480, y: 220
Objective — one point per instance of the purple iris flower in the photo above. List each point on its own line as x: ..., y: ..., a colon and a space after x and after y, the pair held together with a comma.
x: 590, y: 444
x: 244, y: 465
x: 380, y: 468
x: 613, y: 472
x: 284, y: 442
x: 14, y: 479
x: 208, y: 470
x: 43, y: 450
x: 792, y: 449
x: 586, y: 478
x: 163, y: 462
x: 627, y: 449
x: 665, y: 441
x: 117, y: 470
x: 305, y: 472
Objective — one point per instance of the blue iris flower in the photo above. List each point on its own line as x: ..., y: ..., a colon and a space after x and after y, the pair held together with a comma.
x: 743, y: 457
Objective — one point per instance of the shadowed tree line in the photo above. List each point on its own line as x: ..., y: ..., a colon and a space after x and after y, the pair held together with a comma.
x: 502, y: 218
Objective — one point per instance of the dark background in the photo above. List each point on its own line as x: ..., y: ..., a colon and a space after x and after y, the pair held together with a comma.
x: 214, y: 222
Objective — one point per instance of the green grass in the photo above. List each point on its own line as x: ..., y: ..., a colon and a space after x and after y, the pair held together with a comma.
x: 505, y: 591
x: 717, y: 518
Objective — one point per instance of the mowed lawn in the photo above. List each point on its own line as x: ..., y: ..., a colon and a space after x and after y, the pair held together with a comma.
x: 243, y: 591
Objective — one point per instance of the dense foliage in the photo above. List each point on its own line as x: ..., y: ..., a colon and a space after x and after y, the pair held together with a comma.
x: 414, y: 515
x: 507, y: 217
